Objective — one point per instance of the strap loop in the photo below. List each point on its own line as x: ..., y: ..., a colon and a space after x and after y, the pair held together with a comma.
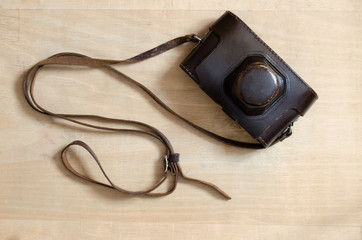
x: 174, y: 157
x: 172, y: 162
x: 112, y: 185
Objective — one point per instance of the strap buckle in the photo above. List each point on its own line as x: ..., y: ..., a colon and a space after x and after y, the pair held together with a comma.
x: 166, y: 163
x: 172, y: 158
x: 286, y: 133
x: 193, y: 38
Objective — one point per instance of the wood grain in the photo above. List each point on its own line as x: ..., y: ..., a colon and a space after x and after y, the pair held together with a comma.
x: 308, y: 187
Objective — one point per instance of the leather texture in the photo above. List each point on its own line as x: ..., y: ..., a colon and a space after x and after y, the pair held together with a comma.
x: 249, y: 80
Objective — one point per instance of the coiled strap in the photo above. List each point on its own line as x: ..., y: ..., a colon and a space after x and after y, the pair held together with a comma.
x: 172, y: 163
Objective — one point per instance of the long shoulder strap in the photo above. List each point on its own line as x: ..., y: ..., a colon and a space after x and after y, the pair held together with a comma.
x: 171, y: 158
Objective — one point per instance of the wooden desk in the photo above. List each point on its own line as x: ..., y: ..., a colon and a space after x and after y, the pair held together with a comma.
x: 308, y: 187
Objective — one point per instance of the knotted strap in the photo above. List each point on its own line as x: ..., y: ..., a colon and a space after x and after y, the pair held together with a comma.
x: 173, y: 166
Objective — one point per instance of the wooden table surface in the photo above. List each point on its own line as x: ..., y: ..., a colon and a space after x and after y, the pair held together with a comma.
x: 307, y: 187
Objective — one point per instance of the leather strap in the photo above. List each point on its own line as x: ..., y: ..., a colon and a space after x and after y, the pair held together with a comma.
x: 172, y: 158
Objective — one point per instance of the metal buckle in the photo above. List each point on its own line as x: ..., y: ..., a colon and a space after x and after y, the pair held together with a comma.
x: 166, y: 163
x: 286, y: 133
x: 193, y: 38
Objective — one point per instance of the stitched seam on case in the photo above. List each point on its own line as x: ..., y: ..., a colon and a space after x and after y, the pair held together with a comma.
x: 221, y: 40
x: 276, y: 119
x: 273, y: 122
x: 185, y: 69
x: 269, y: 48
x: 262, y: 140
x: 202, y: 60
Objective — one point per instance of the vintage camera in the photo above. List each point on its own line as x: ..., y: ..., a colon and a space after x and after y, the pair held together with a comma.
x: 249, y: 80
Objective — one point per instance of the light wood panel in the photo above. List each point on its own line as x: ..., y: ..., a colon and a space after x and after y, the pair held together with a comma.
x: 308, y: 187
x: 189, y: 5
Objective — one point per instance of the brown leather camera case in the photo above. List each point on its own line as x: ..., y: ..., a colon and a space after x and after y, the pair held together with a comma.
x: 248, y: 79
